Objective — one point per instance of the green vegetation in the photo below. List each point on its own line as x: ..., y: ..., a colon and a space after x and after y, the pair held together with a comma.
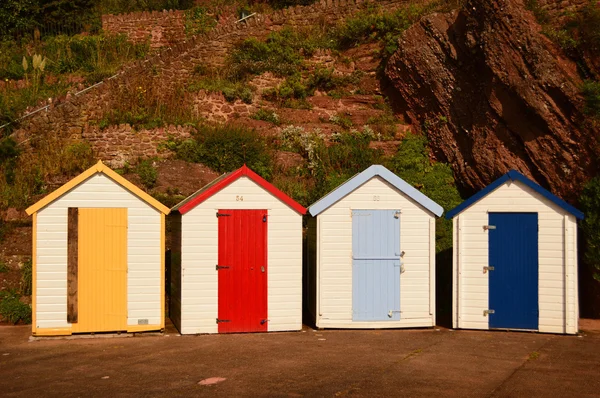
x: 267, y: 116
x: 436, y: 180
x: 541, y: 15
x: 591, y: 93
x: 378, y: 24
x: 225, y: 148
x: 590, y: 226
x: 51, y: 155
x: 3, y: 267
x: 62, y: 59
x: 26, y: 278
x: 12, y: 309
x: 198, y: 20
x: 143, y: 103
x: 147, y: 173
x: 230, y: 90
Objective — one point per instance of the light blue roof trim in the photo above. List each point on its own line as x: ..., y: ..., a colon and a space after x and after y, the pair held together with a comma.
x: 514, y: 175
x: 373, y: 171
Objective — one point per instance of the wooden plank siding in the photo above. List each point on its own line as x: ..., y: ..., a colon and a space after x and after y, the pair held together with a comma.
x: 144, y: 264
x: 334, y: 258
x: 558, y: 309
x: 199, y: 246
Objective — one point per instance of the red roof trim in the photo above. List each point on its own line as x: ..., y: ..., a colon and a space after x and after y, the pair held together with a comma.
x: 243, y: 171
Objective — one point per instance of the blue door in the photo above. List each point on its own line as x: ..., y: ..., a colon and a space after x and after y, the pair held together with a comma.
x: 513, y: 282
x: 375, y: 265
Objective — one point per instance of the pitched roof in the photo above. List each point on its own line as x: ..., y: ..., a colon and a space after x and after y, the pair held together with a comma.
x: 376, y: 170
x: 215, y: 186
x: 97, y: 168
x: 514, y: 175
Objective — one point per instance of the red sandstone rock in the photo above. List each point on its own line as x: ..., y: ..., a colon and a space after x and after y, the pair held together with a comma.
x: 495, y: 94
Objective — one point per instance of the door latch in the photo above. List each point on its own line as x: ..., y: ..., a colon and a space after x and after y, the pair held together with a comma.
x: 218, y: 267
x: 391, y: 313
x: 487, y: 312
x: 262, y: 268
x: 486, y: 269
x: 264, y: 321
x: 487, y: 227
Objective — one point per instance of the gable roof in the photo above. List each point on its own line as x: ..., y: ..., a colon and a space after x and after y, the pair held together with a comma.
x: 373, y: 171
x: 218, y: 184
x: 514, y: 175
x: 107, y: 171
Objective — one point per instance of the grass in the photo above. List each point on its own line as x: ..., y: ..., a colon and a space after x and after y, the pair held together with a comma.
x: 91, y: 58
x: 534, y: 355
x: 26, y: 278
x: 12, y: 309
x: 231, y: 90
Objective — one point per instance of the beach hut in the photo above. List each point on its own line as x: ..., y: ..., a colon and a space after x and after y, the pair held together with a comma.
x: 236, y: 262
x: 98, y: 257
x: 515, y: 259
x: 371, y: 254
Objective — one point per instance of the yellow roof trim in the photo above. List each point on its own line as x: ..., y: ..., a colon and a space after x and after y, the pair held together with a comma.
x: 97, y: 168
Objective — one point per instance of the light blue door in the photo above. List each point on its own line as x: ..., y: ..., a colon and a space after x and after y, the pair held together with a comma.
x: 375, y: 265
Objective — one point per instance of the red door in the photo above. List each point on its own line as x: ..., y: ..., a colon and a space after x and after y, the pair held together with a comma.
x: 242, y: 271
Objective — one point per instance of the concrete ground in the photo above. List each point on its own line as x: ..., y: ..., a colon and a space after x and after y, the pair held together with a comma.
x: 308, y: 363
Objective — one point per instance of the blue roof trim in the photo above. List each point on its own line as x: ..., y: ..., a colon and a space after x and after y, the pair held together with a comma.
x: 376, y: 170
x: 514, y: 175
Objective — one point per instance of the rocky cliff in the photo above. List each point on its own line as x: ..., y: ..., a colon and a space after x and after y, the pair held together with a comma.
x: 494, y: 94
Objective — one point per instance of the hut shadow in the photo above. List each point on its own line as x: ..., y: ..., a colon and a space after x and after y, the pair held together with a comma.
x: 443, y: 288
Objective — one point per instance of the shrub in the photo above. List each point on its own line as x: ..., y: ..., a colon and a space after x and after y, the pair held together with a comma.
x: 26, y: 277
x: 230, y: 90
x: 198, y: 21
x: 147, y: 172
x: 225, y: 148
x: 281, y: 54
x: 267, y: 116
x: 9, y: 153
x: 411, y: 163
x: 541, y: 15
x: 590, y: 226
x: 12, y: 309
x: 3, y: 267
x: 591, y: 93
x: 78, y: 157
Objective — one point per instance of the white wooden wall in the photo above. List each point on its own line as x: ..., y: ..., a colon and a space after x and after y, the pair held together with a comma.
x: 334, y: 258
x: 199, y: 254
x: 143, y: 252
x: 557, y: 259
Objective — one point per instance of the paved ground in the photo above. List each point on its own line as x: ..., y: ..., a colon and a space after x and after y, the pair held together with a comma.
x: 309, y: 363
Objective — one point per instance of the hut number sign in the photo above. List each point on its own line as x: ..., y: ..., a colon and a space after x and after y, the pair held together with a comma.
x: 239, y: 198
x: 376, y: 198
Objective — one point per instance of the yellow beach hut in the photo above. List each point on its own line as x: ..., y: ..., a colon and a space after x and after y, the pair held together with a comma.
x: 98, y: 257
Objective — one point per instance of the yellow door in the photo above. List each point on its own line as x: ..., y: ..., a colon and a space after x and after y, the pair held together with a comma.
x: 102, y: 271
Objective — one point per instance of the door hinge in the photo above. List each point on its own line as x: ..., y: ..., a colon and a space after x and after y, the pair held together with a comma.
x: 223, y: 215
x: 223, y: 320
x: 487, y: 227
x: 264, y: 321
x: 218, y: 267
x: 487, y: 312
x: 486, y: 269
